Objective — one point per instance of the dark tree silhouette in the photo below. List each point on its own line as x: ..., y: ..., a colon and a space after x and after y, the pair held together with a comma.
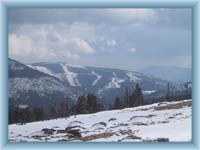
x: 168, y: 92
x: 38, y: 113
x: 126, y: 97
x: 117, y: 103
x: 92, y: 104
x: 81, y: 105
x: 138, y: 96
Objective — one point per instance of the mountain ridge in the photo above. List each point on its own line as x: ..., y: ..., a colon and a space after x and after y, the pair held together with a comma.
x: 104, y: 82
x: 29, y: 86
x: 171, y: 73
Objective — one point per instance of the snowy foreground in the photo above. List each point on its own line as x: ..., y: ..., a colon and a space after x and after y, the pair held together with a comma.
x: 166, y: 121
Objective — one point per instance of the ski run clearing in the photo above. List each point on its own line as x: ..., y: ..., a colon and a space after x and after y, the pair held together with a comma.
x: 166, y: 121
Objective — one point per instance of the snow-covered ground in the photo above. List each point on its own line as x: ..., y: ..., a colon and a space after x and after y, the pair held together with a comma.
x: 166, y: 121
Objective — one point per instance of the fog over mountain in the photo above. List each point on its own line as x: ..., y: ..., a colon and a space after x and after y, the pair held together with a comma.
x: 170, y: 73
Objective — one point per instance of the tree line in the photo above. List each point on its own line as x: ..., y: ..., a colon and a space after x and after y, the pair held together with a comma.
x: 171, y: 96
x: 88, y: 103
x: 129, y: 99
x: 85, y: 104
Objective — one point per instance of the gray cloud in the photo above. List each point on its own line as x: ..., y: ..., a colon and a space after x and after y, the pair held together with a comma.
x: 69, y: 16
x: 139, y: 37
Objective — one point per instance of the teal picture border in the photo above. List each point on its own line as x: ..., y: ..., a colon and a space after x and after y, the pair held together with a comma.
x: 6, y: 4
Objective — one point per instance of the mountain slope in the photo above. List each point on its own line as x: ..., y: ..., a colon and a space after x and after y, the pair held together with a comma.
x: 34, y: 88
x: 104, y: 82
x: 166, y: 121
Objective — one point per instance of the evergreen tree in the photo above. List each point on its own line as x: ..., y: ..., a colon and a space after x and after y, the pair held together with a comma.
x: 132, y: 101
x: 66, y: 110
x: 52, y: 112
x: 168, y: 92
x: 11, y: 115
x: 25, y: 115
x: 126, y: 97
x: 38, y: 113
x: 63, y: 110
x: 92, y: 104
x: 138, y: 96
x: 110, y: 107
x: 81, y: 105
x: 16, y: 114
x: 117, y: 103
x: 190, y: 92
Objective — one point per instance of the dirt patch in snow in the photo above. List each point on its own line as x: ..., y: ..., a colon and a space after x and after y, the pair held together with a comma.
x: 139, y: 124
x: 174, y: 106
x: 100, y: 123
x: 163, y: 122
x: 112, y: 119
x: 130, y: 137
x: 48, y: 131
x: 97, y: 136
x: 158, y: 140
x: 74, y: 127
x: 38, y: 137
x: 148, y: 116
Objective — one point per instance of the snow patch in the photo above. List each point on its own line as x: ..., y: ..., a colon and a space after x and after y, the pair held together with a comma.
x: 22, y: 106
x: 97, y: 79
x: 42, y: 69
x: 148, y: 92
x: 70, y: 76
x: 115, y: 82
x: 133, y: 77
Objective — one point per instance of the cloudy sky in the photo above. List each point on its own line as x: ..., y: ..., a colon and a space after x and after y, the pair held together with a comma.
x: 116, y: 38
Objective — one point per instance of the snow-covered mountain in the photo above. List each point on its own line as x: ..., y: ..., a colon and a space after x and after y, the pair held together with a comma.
x: 47, y: 83
x: 104, y: 82
x: 35, y: 88
x: 160, y: 122
x: 170, y: 73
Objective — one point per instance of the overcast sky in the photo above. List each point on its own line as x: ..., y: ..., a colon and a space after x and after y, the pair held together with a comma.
x: 117, y: 38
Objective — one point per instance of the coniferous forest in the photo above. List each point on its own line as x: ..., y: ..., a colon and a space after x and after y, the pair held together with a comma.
x: 86, y: 104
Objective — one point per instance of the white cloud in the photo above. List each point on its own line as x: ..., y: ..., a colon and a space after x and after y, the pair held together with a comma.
x: 46, y: 42
x: 68, y: 54
x: 111, y: 42
x: 72, y: 37
x: 24, y: 46
x: 79, y: 45
x: 132, y: 50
